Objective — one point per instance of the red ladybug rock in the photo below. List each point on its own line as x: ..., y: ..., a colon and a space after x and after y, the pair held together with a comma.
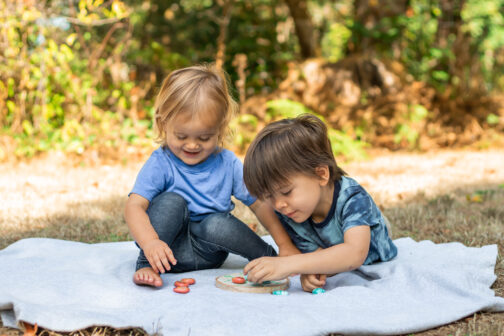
x: 238, y: 280
x: 188, y: 281
x: 181, y: 290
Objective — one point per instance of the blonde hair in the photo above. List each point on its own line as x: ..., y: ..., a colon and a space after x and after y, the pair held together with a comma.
x: 194, y: 90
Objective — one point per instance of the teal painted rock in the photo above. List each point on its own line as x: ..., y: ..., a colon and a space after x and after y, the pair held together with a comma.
x: 318, y: 291
x: 280, y: 292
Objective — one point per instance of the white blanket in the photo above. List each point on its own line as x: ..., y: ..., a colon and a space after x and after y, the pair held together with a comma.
x: 64, y: 286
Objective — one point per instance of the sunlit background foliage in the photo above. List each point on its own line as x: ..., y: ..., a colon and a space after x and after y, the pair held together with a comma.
x: 81, y: 75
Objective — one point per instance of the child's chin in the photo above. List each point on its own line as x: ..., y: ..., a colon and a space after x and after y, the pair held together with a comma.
x: 299, y: 220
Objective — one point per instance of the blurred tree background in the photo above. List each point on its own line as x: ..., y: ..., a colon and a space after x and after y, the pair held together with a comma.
x: 80, y: 76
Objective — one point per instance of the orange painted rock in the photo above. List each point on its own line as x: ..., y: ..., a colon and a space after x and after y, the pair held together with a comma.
x: 179, y: 284
x: 181, y: 290
x: 238, y: 280
x: 188, y: 281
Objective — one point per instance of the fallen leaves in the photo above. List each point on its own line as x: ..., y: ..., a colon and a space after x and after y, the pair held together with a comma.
x: 479, y: 196
x: 30, y: 329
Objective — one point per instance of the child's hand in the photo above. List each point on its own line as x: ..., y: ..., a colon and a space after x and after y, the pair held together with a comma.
x: 311, y: 281
x: 266, y: 269
x: 159, y: 255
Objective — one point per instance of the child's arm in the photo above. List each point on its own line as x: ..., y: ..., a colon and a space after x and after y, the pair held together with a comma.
x: 343, y: 257
x: 270, y: 221
x: 157, y: 252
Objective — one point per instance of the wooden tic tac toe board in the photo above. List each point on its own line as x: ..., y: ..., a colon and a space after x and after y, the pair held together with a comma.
x: 224, y: 282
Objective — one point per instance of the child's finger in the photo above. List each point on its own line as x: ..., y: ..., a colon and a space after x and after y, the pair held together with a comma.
x: 171, y: 257
x: 253, y: 273
x: 156, y: 264
x: 250, y: 266
x: 316, y: 281
x: 153, y: 264
x: 159, y: 265
x: 259, y: 275
x: 165, y: 263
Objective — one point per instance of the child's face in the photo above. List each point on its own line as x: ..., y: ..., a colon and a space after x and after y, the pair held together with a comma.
x: 300, y: 198
x: 192, y: 139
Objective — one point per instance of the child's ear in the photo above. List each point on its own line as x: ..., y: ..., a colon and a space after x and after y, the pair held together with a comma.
x: 324, y: 174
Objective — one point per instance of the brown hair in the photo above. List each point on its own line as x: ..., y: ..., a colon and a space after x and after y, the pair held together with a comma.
x: 286, y: 147
x: 194, y: 90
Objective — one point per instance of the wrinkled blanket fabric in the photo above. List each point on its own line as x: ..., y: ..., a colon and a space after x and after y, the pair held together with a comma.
x: 65, y: 286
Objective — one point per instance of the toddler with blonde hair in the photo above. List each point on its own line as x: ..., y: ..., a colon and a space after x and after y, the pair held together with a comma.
x: 178, y: 211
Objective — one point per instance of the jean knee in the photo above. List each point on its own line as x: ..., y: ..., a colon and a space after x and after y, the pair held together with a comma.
x: 168, y: 199
x: 168, y: 204
x: 168, y: 215
x: 213, y: 224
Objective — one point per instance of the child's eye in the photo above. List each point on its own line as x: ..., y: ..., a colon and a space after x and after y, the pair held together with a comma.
x: 204, y: 139
x: 180, y: 137
x: 286, y: 193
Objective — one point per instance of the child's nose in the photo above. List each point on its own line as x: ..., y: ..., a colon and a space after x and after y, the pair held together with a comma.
x: 279, y: 204
x: 192, y: 145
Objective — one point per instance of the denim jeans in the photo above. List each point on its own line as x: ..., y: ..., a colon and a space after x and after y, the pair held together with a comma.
x: 204, y: 244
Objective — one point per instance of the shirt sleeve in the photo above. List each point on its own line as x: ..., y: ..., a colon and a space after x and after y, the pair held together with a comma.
x: 239, y: 189
x: 305, y: 245
x: 358, y: 210
x: 153, y: 178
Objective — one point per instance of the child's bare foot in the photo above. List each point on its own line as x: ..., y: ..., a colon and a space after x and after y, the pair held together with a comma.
x: 147, y: 276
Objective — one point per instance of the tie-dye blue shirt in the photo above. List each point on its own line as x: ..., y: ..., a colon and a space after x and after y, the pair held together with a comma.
x: 352, y: 206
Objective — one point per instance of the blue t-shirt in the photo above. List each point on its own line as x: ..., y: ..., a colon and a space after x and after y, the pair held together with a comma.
x: 207, y: 187
x: 352, y: 206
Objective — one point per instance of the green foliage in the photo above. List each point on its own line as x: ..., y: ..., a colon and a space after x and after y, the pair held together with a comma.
x: 493, y: 119
x: 420, y: 54
x: 244, y: 128
x: 484, y: 21
x: 55, y: 99
x: 285, y: 108
x: 342, y: 144
x: 409, y: 129
x: 334, y: 42
x: 85, y: 77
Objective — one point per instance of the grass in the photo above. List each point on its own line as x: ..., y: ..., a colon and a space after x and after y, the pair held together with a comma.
x: 85, y: 203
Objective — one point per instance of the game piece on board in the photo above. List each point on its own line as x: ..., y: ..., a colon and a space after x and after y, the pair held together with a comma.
x: 189, y: 281
x: 181, y: 290
x: 225, y: 282
x: 238, y: 280
x: 280, y: 292
x: 318, y: 291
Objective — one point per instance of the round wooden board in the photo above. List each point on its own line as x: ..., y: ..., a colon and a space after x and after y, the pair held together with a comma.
x: 225, y: 282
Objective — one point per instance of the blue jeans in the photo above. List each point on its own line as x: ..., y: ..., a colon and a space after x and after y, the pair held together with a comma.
x: 204, y: 244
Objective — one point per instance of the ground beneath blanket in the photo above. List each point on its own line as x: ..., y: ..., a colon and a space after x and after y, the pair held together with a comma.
x: 442, y: 196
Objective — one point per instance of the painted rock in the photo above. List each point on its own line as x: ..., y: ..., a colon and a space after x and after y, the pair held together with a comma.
x: 280, y: 292
x: 318, y: 291
x: 179, y: 284
x: 181, y: 290
x: 238, y: 280
x: 188, y: 281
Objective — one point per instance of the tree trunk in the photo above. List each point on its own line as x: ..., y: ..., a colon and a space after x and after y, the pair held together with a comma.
x: 449, y: 22
x: 466, y: 65
x: 223, y: 21
x: 369, y: 13
x: 309, y: 44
